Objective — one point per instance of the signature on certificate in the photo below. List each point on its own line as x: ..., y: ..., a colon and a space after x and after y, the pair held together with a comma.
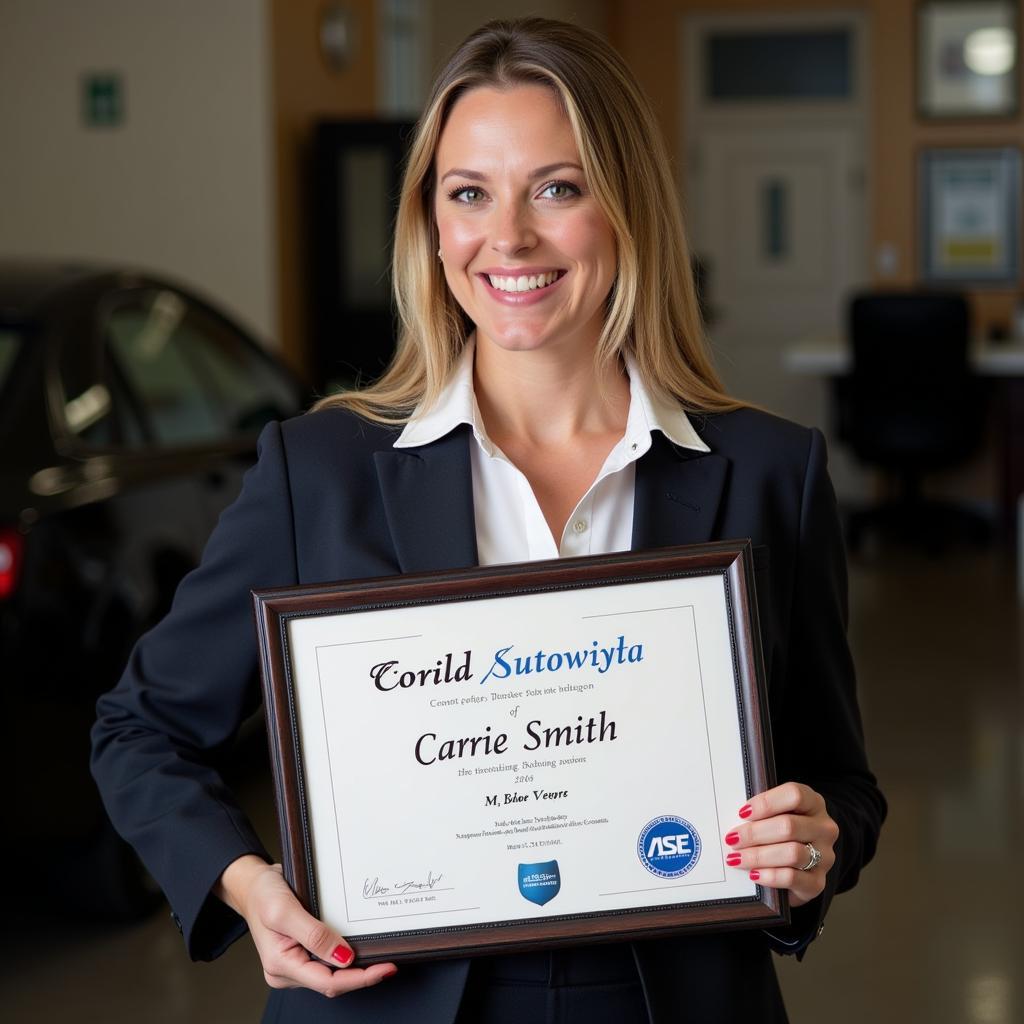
x: 372, y: 886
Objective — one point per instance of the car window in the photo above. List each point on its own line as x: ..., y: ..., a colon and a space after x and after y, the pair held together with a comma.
x: 197, y: 377
x: 95, y: 407
x: 121, y: 427
x: 10, y: 346
x: 248, y: 387
x: 152, y: 343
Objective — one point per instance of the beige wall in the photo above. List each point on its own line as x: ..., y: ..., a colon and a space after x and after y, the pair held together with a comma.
x: 184, y: 186
x: 304, y: 90
x: 650, y: 45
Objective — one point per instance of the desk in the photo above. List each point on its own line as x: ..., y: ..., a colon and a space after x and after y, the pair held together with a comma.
x: 1002, y: 361
x: 830, y: 356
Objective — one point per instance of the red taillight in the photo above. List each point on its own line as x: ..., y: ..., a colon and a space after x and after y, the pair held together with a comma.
x: 12, y: 547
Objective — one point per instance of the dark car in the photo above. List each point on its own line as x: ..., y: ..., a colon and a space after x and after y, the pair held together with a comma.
x: 129, y: 410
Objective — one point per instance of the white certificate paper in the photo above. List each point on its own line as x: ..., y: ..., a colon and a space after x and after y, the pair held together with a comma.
x: 509, y: 758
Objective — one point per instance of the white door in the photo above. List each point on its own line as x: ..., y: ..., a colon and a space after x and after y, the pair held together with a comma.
x: 777, y: 207
x: 779, y: 219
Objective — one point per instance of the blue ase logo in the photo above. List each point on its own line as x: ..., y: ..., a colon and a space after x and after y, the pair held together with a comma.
x: 669, y: 846
x: 539, y: 883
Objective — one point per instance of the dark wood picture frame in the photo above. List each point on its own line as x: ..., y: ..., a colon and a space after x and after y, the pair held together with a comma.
x: 732, y: 561
x: 929, y: 108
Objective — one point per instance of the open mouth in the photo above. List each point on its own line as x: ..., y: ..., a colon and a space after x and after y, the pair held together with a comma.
x: 524, y: 282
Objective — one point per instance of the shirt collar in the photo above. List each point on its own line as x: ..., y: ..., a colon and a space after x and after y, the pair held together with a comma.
x: 649, y: 412
x: 457, y: 405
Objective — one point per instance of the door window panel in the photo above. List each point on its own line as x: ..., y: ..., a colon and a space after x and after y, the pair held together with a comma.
x: 775, y: 219
x: 795, y: 65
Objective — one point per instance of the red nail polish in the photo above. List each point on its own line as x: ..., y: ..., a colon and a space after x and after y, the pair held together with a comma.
x: 390, y: 972
x: 343, y: 955
x: 746, y: 811
x: 755, y: 875
x: 733, y: 860
x: 732, y: 838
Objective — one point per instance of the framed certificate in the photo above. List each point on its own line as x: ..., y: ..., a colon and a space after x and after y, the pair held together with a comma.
x: 543, y: 754
x: 970, y: 215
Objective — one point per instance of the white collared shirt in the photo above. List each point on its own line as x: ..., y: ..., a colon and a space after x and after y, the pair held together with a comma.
x: 510, y: 526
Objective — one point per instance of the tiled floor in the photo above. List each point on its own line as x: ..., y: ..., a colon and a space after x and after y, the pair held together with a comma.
x: 935, y: 931
x: 934, y: 934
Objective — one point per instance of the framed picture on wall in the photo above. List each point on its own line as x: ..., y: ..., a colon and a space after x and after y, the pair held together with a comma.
x: 970, y: 215
x: 967, y: 58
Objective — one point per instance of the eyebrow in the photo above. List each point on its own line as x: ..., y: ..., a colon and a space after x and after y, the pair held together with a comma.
x: 462, y: 172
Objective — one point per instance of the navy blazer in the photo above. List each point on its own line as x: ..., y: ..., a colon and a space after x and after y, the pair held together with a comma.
x: 331, y: 499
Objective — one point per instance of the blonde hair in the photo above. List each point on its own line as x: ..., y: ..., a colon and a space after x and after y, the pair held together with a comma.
x: 652, y: 310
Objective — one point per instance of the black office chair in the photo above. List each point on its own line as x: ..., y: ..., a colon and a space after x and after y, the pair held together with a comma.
x: 911, y: 406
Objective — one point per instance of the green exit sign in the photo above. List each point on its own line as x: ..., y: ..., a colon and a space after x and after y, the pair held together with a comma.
x: 102, y: 99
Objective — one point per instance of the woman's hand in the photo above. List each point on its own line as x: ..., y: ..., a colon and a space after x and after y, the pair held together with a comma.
x: 285, y: 934
x: 771, y: 843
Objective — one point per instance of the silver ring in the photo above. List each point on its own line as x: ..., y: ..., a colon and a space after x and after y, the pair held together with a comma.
x: 814, y: 857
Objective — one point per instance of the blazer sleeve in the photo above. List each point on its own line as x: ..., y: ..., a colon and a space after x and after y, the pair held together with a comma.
x: 189, y: 684
x: 818, y: 736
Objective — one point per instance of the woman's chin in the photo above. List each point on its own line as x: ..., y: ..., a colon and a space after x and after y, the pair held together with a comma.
x: 525, y: 341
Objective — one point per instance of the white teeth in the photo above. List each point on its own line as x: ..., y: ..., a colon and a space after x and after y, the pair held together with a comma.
x: 523, y: 284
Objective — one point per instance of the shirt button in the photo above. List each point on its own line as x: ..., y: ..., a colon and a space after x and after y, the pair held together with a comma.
x: 634, y: 446
x: 580, y: 525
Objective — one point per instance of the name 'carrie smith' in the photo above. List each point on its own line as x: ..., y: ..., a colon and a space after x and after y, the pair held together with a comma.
x: 599, y: 729
x: 596, y: 657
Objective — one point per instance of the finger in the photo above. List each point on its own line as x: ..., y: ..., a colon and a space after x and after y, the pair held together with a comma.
x: 358, y: 977
x: 802, y: 886
x: 783, y: 828
x: 789, y: 798
x: 323, y: 979
x: 288, y: 917
x: 779, y: 855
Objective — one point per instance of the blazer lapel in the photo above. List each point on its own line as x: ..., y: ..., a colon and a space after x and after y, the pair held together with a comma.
x: 428, y: 501
x: 677, y: 495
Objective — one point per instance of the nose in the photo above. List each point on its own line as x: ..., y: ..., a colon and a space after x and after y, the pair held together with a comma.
x: 513, y: 232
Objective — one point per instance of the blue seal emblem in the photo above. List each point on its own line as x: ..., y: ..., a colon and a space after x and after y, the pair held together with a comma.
x: 669, y: 846
x: 539, y: 883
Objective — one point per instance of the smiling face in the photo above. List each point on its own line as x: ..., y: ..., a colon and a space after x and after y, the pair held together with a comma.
x: 528, y: 252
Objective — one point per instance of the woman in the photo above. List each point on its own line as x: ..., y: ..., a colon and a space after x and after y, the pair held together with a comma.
x: 551, y: 395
